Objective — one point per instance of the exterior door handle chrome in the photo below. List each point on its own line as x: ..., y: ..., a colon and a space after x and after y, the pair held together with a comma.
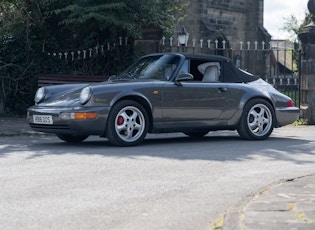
x: 222, y: 89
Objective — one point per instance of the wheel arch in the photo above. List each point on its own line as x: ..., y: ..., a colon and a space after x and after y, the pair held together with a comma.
x: 247, y: 100
x: 142, y: 101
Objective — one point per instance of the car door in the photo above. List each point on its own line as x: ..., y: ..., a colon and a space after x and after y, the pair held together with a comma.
x: 194, y: 103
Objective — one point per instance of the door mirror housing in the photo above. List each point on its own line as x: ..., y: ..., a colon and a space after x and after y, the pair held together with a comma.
x: 184, y: 77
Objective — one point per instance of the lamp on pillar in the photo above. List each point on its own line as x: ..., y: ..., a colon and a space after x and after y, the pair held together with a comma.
x: 183, y: 37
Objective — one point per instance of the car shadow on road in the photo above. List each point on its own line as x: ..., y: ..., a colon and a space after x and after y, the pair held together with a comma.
x: 217, y: 146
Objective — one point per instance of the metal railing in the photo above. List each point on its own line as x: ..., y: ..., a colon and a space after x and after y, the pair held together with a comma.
x: 276, y: 62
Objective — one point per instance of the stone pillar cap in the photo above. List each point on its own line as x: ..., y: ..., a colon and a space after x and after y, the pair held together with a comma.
x: 311, y: 9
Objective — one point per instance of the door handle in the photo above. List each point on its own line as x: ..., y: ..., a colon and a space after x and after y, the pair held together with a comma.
x: 222, y: 90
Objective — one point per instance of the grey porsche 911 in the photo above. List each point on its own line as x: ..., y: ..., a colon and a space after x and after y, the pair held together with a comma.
x: 166, y: 92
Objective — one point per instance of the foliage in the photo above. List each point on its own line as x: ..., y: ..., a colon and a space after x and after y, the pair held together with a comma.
x: 163, y: 13
x: 17, y: 63
x: 31, y: 29
x: 294, y: 26
x: 301, y: 122
x: 115, y: 18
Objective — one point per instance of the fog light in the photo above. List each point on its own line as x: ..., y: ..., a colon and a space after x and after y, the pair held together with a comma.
x: 66, y: 116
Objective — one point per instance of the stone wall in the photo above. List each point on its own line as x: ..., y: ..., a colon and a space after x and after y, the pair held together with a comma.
x: 233, y: 20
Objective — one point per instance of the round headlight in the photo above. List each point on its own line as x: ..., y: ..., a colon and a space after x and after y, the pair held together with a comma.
x: 40, y: 95
x: 85, y: 95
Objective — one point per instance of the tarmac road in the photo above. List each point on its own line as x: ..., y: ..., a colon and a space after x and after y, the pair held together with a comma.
x: 168, y: 182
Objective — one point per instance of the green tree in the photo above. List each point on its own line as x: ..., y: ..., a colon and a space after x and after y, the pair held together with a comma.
x: 113, y: 18
x: 29, y: 29
x: 17, y: 64
x: 294, y: 26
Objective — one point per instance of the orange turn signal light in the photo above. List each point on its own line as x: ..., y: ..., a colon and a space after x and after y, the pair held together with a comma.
x: 85, y: 115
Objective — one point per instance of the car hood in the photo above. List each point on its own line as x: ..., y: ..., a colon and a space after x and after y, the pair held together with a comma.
x: 68, y: 95
x: 63, y: 95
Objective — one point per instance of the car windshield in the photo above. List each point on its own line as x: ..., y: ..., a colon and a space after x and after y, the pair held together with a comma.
x: 158, y: 67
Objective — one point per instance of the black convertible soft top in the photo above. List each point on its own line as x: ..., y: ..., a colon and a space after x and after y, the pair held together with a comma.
x: 230, y: 73
x: 236, y: 75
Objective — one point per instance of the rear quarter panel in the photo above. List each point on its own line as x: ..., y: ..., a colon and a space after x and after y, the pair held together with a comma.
x: 239, y: 95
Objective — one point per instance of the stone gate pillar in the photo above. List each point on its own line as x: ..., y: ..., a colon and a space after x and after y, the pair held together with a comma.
x: 307, y: 38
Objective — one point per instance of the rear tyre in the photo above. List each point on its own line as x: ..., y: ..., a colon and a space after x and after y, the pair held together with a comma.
x: 257, y: 121
x: 72, y: 138
x: 127, y: 124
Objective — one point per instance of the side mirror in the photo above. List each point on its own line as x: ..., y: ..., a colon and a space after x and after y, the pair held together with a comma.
x: 111, y: 78
x: 183, y: 77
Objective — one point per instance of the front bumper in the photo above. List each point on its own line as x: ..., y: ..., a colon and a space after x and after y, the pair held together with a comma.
x: 286, y: 116
x: 68, y: 124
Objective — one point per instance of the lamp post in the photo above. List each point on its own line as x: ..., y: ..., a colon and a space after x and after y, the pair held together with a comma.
x: 183, y: 37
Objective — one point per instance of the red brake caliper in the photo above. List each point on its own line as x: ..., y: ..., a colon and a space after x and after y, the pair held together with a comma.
x: 120, y: 120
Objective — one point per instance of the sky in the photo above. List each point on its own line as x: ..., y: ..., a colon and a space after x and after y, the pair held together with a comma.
x: 276, y: 11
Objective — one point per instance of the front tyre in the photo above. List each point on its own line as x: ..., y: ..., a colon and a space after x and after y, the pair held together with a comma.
x: 72, y: 138
x: 127, y: 124
x: 257, y: 121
